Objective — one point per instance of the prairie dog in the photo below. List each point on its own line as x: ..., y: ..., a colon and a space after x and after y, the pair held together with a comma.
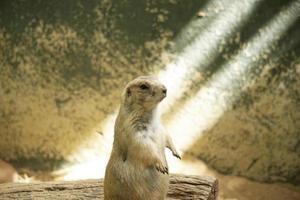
x: 137, y: 168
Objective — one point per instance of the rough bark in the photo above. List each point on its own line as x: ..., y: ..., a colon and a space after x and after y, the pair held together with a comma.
x: 181, y: 187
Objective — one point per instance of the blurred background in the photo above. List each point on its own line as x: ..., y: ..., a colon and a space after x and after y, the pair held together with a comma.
x: 232, y: 69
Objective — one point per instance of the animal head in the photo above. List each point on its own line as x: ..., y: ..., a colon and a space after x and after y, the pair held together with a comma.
x: 144, y: 92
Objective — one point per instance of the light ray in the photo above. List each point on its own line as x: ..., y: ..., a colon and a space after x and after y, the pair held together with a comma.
x: 175, y: 74
x: 202, y: 51
x: 201, y: 112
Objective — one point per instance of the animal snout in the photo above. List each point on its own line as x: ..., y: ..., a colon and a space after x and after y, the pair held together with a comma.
x: 164, y: 91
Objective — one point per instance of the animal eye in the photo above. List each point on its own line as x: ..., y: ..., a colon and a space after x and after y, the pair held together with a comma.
x: 144, y: 87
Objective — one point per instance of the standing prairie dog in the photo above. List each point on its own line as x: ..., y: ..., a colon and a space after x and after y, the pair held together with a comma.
x: 137, y: 168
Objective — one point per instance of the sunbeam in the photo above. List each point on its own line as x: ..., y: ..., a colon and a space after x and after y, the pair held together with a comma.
x: 196, y: 55
x: 203, y: 110
x: 202, y: 51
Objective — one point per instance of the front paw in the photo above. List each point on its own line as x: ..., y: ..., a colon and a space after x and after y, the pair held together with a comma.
x: 176, y: 154
x: 161, y: 168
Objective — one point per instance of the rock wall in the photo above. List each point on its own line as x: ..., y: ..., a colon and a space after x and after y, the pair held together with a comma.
x: 258, y: 135
x: 64, y: 64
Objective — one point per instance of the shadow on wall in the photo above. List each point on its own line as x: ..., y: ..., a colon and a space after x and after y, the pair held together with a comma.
x: 143, y: 21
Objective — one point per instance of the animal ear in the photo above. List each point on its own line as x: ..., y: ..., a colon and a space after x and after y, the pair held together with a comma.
x: 128, y: 92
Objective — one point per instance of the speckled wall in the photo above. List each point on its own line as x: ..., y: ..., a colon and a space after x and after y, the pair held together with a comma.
x: 258, y: 135
x: 63, y: 65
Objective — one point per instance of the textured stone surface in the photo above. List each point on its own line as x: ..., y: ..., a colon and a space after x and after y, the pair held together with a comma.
x: 63, y: 66
x: 258, y: 135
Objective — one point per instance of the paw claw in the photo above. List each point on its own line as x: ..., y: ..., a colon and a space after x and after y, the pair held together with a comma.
x: 177, y: 155
x: 161, y: 168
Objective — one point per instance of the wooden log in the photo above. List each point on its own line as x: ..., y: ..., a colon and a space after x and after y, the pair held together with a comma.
x: 181, y: 187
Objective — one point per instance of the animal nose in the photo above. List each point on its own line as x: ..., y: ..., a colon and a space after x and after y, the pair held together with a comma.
x: 164, y: 91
